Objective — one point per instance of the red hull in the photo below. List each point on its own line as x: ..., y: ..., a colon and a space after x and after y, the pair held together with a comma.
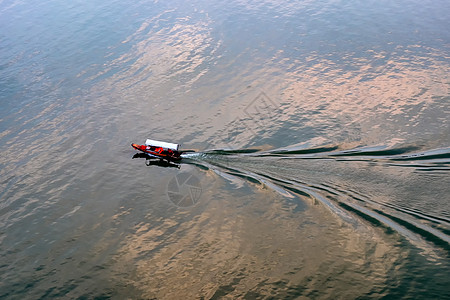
x: 161, y: 153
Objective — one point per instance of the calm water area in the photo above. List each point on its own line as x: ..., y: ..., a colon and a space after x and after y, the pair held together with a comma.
x: 322, y: 149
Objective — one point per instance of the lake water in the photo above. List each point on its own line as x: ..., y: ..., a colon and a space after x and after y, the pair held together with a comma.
x: 322, y: 139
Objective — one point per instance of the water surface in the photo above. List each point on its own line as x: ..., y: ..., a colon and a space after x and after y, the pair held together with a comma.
x: 322, y: 149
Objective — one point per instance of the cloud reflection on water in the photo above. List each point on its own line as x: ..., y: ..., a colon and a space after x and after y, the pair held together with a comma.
x: 253, y: 246
x: 163, y: 52
x: 180, y: 73
x: 391, y: 95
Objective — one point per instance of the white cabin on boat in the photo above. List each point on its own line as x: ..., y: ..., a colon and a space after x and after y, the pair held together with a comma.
x: 165, y: 145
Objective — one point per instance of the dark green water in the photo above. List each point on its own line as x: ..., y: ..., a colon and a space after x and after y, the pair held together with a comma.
x: 322, y: 149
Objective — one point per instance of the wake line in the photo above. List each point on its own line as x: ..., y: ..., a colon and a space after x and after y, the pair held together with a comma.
x: 408, y: 153
x: 341, y: 202
x: 434, y: 161
x: 410, y: 229
x: 396, y: 154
